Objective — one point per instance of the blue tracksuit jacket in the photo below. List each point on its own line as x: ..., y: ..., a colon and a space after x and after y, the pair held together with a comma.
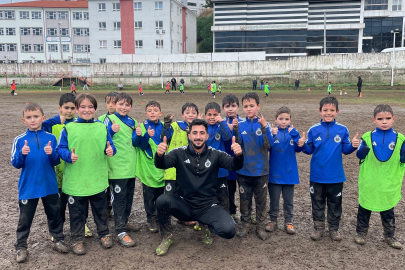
x: 231, y: 174
x: 219, y: 134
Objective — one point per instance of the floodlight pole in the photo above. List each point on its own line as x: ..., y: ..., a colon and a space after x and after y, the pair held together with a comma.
x: 60, y: 41
x: 393, y: 58
x: 324, y: 32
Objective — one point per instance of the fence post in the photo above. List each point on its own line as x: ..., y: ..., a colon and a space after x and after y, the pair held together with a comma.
x: 47, y: 74
x: 344, y: 78
x: 105, y: 80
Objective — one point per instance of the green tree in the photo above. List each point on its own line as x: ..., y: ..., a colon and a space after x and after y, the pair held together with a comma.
x: 209, y: 4
x: 204, y: 34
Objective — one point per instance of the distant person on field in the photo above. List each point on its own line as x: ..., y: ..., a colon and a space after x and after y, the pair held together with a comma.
x: 359, y: 84
x: 181, y: 88
x: 254, y: 84
x: 266, y: 90
x: 85, y: 84
x: 13, y: 88
x: 261, y: 85
x: 120, y: 86
x: 167, y: 87
x: 329, y: 88
x: 297, y: 84
x: 220, y: 88
x: 213, y: 88
x: 182, y: 80
x: 140, y: 89
x: 174, y: 83
x: 209, y: 87
x: 73, y: 88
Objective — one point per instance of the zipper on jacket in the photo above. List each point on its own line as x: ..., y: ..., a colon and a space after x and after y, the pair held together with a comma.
x: 284, y: 134
x: 36, y: 134
x: 327, y: 125
x: 198, y: 163
x: 384, y: 137
x: 251, y: 126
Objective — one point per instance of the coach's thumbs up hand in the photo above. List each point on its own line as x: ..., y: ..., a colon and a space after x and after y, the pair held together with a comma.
x: 235, y: 147
x: 355, y: 141
x: 138, y: 130
x: 301, y: 141
x: 274, y: 130
x: 74, y: 157
x: 151, y: 132
x: 162, y: 147
x: 109, y: 151
x: 115, y: 127
x: 25, y: 149
x: 48, y: 148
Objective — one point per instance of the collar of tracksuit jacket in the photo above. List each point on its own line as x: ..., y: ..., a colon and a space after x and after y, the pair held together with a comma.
x: 328, y: 125
x: 80, y: 120
x: 193, y: 153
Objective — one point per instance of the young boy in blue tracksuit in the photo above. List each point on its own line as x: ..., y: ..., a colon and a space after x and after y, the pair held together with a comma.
x: 219, y: 133
x: 283, y: 174
x: 34, y: 152
x: 254, y: 135
x: 230, y: 105
x: 326, y: 142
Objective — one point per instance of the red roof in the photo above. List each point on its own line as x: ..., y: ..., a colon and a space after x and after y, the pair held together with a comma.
x: 49, y: 4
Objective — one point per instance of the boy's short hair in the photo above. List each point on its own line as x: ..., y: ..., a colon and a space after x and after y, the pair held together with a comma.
x: 66, y: 98
x: 383, y: 108
x: 153, y: 104
x: 229, y: 99
x: 189, y: 105
x: 123, y: 96
x: 79, y: 99
x: 198, y: 122
x: 111, y: 95
x: 283, y: 110
x: 33, y: 107
x: 251, y: 95
x: 212, y: 106
x: 329, y: 100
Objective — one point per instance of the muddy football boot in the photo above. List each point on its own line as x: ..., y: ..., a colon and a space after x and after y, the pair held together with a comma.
x: 271, y: 226
x: 125, y: 240
x: 243, y: 230
x: 316, y: 235
x: 132, y: 227
x: 197, y: 226
x: 206, y: 235
x: 360, y: 239
x: 335, y: 235
x: 22, y: 255
x: 392, y: 242
x: 106, y: 241
x: 152, y: 227
x: 61, y: 247
x: 78, y: 249
x: 163, y: 248
x: 87, y: 232
x: 289, y: 228
x: 261, y: 233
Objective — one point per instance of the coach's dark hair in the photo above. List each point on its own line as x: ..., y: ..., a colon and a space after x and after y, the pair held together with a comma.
x: 229, y: 99
x: 111, y: 96
x: 383, y: 108
x: 33, y: 107
x: 123, y: 96
x: 66, y: 98
x: 198, y: 122
x: 212, y: 106
x: 79, y: 99
x: 251, y: 95
x: 329, y: 100
x: 283, y: 110
x: 153, y: 104
x: 188, y: 105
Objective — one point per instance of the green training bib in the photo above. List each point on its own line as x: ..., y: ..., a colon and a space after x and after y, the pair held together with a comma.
x: 179, y: 139
x: 56, y: 130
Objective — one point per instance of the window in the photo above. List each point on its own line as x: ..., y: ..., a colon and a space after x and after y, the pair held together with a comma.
x: 39, y: 61
x: 101, y: 7
x: 138, y: 44
x: 77, y: 16
x: 137, y: 6
x: 2, y: 47
x: 38, y: 48
x: 159, y: 44
x: 63, y: 15
x: 9, y: 15
x: 376, y: 5
x: 103, y: 44
x: 37, y: 31
x: 85, y: 16
x: 102, y: 60
x: 65, y: 47
x: 64, y: 32
x: 158, y: 5
x: 192, y: 4
x: 116, y: 6
x: 117, y: 25
x: 25, y: 31
x: 10, y: 31
x: 51, y: 15
x: 117, y: 44
x: 12, y: 47
x: 159, y: 25
x: 52, y: 32
x: 81, y: 31
x: 2, y: 31
x: 24, y: 15
x: 25, y: 47
x: 396, y: 5
x: 36, y: 15
x: 53, y: 47
x: 26, y: 61
x: 81, y: 48
x: 138, y: 25
x: 102, y: 26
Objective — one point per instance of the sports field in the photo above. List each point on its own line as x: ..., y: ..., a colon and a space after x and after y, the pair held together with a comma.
x: 280, y: 251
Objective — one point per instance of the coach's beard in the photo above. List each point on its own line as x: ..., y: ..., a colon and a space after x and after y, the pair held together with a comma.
x: 196, y: 146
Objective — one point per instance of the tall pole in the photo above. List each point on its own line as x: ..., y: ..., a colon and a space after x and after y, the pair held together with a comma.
x: 160, y: 58
x: 324, y: 32
x: 60, y: 41
x: 393, y: 59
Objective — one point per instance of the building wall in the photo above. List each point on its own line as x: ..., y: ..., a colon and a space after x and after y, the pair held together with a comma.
x: 191, y: 19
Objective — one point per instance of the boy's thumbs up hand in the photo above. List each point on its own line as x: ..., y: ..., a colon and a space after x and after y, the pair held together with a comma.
x: 109, y: 151
x: 301, y: 141
x: 355, y: 141
x: 162, y: 147
x: 290, y: 128
x: 25, y: 149
x: 48, y: 148
x: 74, y: 157
x: 138, y: 130
x: 115, y: 127
x: 151, y: 132
x: 235, y: 147
x: 274, y: 130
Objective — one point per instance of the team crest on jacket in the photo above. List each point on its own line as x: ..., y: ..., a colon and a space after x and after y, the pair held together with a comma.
x: 71, y: 200
x: 291, y: 142
x: 218, y: 136
x: 259, y: 132
x: 207, y: 163
x: 391, y: 146
x: 117, y: 189
x: 24, y: 201
x: 338, y: 139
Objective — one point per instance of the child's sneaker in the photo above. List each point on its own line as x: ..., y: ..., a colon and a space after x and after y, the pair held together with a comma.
x: 125, y: 240
x: 335, y: 235
x: 206, y: 235
x: 197, y: 226
x: 261, y: 233
x: 392, y: 242
x: 78, y: 249
x: 163, y: 248
x: 360, y: 239
x: 289, y: 228
x: 152, y: 227
x: 61, y: 247
x: 106, y: 241
x: 22, y: 255
x: 316, y: 235
x: 272, y: 226
x: 87, y: 232
x: 133, y: 227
